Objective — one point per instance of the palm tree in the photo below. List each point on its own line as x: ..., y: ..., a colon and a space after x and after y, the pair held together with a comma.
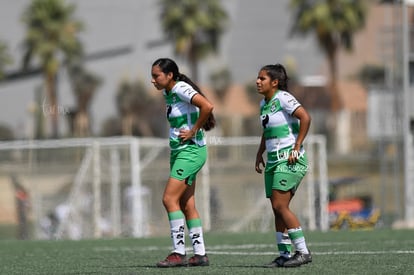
x: 51, y: 37
x: 221, y: 80
x: 84, y: 85
x: 134, y: 104
x: 5, y: 58
x: 334, y: 23
x: 194, y: 27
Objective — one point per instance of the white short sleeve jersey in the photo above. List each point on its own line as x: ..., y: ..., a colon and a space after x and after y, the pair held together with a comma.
x: 280, y: 127
x: 181, y: 114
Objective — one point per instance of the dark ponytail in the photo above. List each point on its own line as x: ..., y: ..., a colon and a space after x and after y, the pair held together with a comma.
x: 169, y: 66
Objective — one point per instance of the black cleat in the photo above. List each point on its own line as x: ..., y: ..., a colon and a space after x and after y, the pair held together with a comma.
x: 278, y: 262
x: 298, y: 259
x: 198, y: 260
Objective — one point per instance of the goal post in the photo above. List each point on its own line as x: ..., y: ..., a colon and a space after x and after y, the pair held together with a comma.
x: 243, y: 193
x: 112, y: 187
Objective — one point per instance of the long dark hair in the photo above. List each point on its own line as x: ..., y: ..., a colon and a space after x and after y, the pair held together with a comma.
x: 168, y: 65
x: 277, y: 71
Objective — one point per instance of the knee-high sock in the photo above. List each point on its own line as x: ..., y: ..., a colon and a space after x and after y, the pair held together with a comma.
x: 196, y: 236
x: 298, y: 239
x: 177, y: 227
x: 284, y: 244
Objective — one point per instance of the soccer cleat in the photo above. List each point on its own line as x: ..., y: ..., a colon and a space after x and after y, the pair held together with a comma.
x: 278, y: 262
x: 173, y: 260
x: 298, y: 259
x: 198, y: 260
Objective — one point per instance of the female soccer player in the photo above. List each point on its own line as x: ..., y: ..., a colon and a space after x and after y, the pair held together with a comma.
x: 189, y: 113
x: 285, y: 124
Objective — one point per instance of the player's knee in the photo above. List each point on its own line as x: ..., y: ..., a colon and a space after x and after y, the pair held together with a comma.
x: 168, y: 202
x: 279, y: 208
x: 188, y: 209
x: 165, y: 201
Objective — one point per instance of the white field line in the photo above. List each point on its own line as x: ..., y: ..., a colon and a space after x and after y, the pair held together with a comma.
x: 239, y: 253
x: 267, y: 249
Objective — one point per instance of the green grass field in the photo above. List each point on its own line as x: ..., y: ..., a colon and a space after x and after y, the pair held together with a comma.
x: 343, y: 252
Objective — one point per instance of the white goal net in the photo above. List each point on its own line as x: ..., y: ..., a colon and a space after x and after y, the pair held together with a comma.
x: 112, y: 187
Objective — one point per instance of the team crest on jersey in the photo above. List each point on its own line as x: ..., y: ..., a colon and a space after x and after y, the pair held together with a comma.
x: 273, y: 107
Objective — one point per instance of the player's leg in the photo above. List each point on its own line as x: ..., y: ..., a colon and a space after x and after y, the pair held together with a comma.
x: 283, y: 241
x: 174, y: 190
x: 179, y: 201
x: 286, y: 181
x: 195, y: 229
x: 280, y: 204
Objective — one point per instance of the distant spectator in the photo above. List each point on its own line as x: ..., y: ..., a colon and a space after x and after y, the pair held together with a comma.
x: 22, y: 208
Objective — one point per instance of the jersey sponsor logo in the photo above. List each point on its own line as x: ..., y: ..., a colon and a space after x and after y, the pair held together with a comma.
x: 265, y: 120
x: 189, y: 92
x: 292, y: 101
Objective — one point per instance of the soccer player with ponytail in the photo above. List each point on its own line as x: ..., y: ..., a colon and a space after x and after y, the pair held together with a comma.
x: 285, y: 124
x: 189, y: 114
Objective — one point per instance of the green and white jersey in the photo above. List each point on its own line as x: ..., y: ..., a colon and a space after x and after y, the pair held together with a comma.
x: 280, y: 128
x: 181, y: 114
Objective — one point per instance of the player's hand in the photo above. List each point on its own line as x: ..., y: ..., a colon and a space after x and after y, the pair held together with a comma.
x: 293, y: 156
x: 185, y: 134
x: 259, y: 163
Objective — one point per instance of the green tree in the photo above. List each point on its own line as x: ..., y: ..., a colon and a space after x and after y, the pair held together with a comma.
x: 84, y: 84
x: 221, y: 81
x: 134, y: 104
x: 5, y: 58
x: 52, y: 38
x: 334, y: 23
x: 194, y: 27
